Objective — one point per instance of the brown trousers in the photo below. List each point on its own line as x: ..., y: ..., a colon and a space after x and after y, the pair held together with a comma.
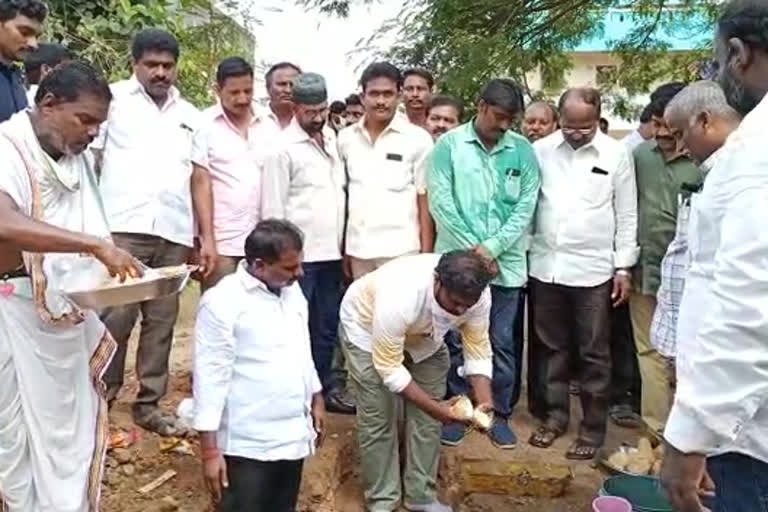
x: 158, y: 318
x: 564, y: 317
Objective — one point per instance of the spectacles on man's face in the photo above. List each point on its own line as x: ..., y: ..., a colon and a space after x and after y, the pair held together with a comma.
x: 582, y: 131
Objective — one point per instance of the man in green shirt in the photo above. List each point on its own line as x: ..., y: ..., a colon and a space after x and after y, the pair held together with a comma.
x: 664, y: 174
x: 483, y: 183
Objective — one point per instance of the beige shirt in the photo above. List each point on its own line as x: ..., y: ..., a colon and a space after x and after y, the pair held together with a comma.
x: 384, y: 179
x: 393, y: 310
x: 304, y: 183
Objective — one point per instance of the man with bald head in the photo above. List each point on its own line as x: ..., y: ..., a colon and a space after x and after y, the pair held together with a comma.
x: 582, y: 247
x: 540, y: 120
x: 701, y: 119
x: 664, y: 172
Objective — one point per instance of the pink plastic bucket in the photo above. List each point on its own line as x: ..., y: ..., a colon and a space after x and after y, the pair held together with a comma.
x: 611, y: 504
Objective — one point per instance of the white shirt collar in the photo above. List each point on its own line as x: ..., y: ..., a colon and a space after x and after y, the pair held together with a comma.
x: 137, y: 88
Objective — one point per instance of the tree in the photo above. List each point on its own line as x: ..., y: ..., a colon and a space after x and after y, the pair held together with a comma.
x: 466, y: 43
x: 101, y: 32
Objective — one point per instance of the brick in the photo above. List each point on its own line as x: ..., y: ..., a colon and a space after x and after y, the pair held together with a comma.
x: 518, y: 478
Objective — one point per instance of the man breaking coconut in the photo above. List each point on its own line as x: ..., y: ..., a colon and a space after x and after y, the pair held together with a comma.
x: 53, y: 416
x: 394, y: 322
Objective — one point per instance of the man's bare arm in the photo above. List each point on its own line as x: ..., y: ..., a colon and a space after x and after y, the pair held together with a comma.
x: 27, y: 234
x: 426, y: 224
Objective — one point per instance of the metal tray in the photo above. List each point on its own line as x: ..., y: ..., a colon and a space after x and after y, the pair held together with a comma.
x: 140, y: 291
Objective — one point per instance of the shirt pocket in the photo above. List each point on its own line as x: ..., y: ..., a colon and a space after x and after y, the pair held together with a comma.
x: 511, y: 184
x: 597, y: 188
x: 396, y: 171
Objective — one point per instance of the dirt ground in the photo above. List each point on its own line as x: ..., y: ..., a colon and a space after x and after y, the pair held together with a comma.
x: 331, y: 479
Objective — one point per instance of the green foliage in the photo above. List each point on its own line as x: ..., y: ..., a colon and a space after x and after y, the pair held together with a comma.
x: 101, y: 32
x: 466, y: 43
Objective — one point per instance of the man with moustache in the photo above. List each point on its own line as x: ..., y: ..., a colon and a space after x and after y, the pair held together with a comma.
x: 664, y: 172
x: 258, y: 405
x: 303, y: 181
x: 701, y: 119
x: 582, y: 247
x: 229, y: 147
x: 20, y: 26
x: 444, y: 114
x: 417, y: 94
x: 483, y: 185
x: 385, y: 157
x: 540, y: 120
x: 150, y: 192
x: 718, y: 422
x: 53, y: 418
x: 279, y: 79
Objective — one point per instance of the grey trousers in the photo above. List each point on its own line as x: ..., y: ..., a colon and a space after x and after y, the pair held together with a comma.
x: 377, y: 430
x: 158, y: 318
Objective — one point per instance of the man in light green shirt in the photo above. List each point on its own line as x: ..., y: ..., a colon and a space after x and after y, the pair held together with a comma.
x: 483, y: 182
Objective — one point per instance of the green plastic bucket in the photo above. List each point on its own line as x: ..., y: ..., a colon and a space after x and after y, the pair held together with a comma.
x: 643, y: 492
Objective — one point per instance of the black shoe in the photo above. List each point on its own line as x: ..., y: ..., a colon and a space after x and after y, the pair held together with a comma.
x: 335, y: 403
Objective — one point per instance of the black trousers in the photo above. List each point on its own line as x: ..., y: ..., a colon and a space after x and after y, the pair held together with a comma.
x: 564, y: 318
x: 257, y: 486
x: 625, y: 382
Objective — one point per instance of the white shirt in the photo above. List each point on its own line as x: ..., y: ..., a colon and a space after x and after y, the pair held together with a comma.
x: 304, y: 183
x: 254, y: 377
x: 585, y: 225
x: 393, y: 309
x: 385, y: 178
x: 147, y: 166
x: 633, y: 140
x: 721, y: 404
x: 31, y: 93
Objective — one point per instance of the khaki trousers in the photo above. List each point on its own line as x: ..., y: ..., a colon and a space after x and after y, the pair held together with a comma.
x: 378, y: 432
x: 654, y: 368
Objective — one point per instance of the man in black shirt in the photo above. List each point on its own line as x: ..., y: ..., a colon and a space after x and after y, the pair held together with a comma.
x: 20, y: 25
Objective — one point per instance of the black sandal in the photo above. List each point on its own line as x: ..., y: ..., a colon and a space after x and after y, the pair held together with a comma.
x: 625, y: 417
x: 581, y: 450
x: 544, y: 437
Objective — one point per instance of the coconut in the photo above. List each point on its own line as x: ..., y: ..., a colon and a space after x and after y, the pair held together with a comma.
x: 462, y: 408
x: 482, y: 419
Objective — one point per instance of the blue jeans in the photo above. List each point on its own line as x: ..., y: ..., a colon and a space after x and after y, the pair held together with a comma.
x: 507, y: 351
x: 741, y: 482
x: 321, y: 285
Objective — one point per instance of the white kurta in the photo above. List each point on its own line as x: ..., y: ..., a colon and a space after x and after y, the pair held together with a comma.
x: 53, y: 417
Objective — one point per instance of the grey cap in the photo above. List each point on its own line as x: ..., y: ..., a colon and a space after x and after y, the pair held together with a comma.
x: 309, y: 89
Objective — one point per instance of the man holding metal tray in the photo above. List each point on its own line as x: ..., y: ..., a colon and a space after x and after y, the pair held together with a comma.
x: 53, y: 416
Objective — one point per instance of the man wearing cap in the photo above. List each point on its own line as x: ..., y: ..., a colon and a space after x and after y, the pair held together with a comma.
x: 303, y: 181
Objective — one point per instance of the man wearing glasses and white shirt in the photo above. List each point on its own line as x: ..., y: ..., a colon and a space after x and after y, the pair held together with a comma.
x: 584, y: 239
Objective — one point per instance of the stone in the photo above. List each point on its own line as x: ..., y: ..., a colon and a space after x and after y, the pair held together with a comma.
x: 487, y: 476
x: 168, y: 504
x: 113, y: 479
x: 128, y: 469
x: 111, y: 462
x: 123, y: 456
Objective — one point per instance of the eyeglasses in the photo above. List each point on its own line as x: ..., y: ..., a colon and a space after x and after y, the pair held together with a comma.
x: 583, y: 131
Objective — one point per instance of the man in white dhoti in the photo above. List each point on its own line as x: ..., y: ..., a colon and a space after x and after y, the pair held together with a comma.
x: 53, y: 417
